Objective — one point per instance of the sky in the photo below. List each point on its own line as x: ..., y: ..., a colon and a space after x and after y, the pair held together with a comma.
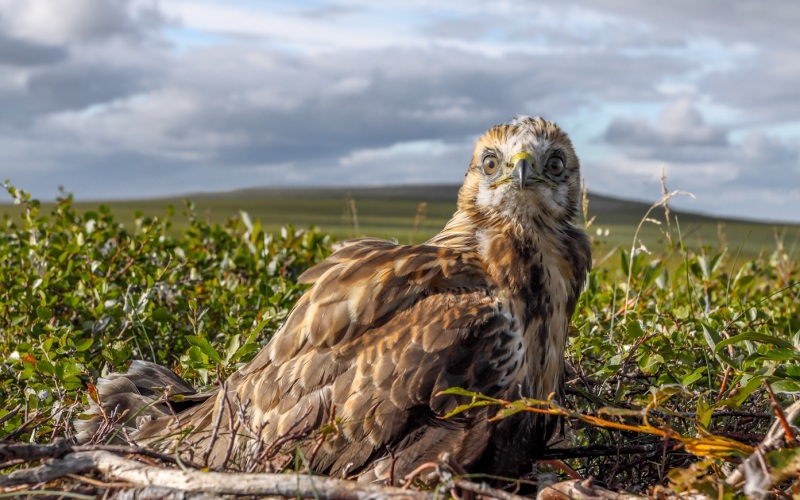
x: 144, y: 98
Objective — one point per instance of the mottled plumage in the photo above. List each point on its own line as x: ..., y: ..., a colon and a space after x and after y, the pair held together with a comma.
x: 484, y: 305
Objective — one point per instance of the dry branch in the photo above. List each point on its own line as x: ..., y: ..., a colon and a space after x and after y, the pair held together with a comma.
x: 161, y: 493
x: 214, y: 483
x: 27, y: 452
x: 73, y: 463
x: 581, y: 488
x: 485, y: 490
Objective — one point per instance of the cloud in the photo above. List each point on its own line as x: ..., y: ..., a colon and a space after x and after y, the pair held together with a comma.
x: 58, y: 22
x: 423, y: 162
x: 762, y: 85
x: 746, y: 21
x: 138, y: 97
x: 725, y: 174
x: 16, y: 52
x: 680, y: 124
x: 275, y: 108
x: 748, y: 51
x: 768, y: 162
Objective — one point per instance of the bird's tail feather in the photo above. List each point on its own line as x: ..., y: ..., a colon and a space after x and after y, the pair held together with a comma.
x: 128, y: 401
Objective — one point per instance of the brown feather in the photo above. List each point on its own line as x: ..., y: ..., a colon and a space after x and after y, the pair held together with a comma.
x: 484, y: 305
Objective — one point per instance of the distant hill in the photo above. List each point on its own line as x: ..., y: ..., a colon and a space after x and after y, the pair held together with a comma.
x: 415, y: 213
x: 598, y: 204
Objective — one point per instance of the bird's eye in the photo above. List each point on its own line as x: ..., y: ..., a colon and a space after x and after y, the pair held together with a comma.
x: 555, y: 165
x: 490, y: 164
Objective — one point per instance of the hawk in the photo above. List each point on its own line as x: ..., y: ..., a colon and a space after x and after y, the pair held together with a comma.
x: 484, y: 305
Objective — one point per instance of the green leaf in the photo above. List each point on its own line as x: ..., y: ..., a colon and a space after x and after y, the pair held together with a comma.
x: 624, y: 261
x: 117, y: 352
x: 241, y: 353
x: 682, y: 312
x: 458, y: 391
x: 753, y: 337
x: 649, y: 363
x: 744, y: 392
x: 205, y: 347
x: 196, y: 355
x: 663, y: 393
x: 512, y: 409
x: 634, y: 331
x: 44, y: 313
x: 712, y: 337
x: 462, y: 408
x: 786, y: 386
x: 232, y: 347
x: 82, y: 345
x: 45, y: 367
x: 693, y: 377
x: 161, y: 314
x: 704, y: 410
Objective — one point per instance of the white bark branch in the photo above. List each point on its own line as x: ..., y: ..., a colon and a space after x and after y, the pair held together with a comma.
x: 214, y: 483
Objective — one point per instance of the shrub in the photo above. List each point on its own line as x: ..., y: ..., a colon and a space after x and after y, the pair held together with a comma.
x: 80, y: 295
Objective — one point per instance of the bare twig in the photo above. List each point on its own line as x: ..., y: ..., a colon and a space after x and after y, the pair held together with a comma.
x: 138, y: 450
x: 630, y: 301
x: 290, y: 435
x: 215, y: 427
x: 411, y: 476
x: 450, y: 461
x: 233, y: 428
x: 321, y: 438
x: 22, y: 428
x: 566, y: 469
x: 779, y: 413
x: 8, y: 416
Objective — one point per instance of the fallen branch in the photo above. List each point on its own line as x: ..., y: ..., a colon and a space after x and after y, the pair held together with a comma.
x: 74, y: 463
x: 216, y: 483
x: 161, y: 493
x: 485, y: 490
x: 583, y: 488
x: 26, y: 452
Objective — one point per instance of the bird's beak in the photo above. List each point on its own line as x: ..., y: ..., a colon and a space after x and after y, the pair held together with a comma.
x: 523, y: 172
x: 522, y: 168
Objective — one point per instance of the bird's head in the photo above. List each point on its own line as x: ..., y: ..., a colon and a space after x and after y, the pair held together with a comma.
x: 525, y: 173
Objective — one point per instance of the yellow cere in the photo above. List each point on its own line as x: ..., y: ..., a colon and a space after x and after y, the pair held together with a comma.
x: 519, y: 156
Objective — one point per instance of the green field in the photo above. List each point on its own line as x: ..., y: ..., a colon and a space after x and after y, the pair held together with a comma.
x: 415, y: 213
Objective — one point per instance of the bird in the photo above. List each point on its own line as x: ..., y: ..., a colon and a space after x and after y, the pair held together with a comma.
x: 369, y: 351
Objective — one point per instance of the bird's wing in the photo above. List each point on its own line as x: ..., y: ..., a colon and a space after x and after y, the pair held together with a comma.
x: 382, y: 332
x: 357, y: 287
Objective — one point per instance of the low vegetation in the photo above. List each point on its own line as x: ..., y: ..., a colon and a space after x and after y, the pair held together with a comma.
x: 679, y: 357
